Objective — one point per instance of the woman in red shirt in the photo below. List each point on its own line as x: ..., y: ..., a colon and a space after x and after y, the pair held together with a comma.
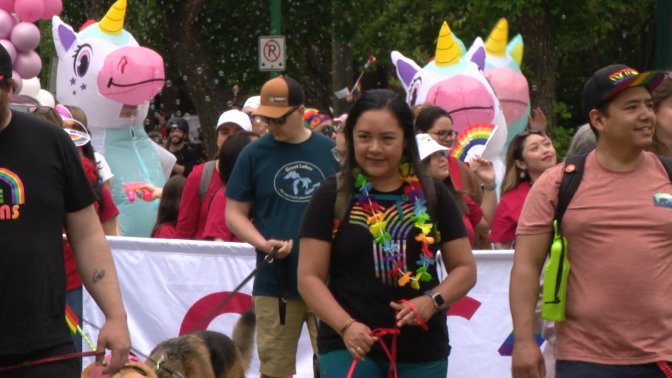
x: 529, y: 155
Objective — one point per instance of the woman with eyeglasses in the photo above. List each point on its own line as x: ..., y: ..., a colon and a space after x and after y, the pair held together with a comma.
x: 473, y: 182
x: 529, y: 155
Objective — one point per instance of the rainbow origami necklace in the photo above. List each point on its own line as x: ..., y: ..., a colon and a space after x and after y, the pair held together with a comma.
x: 378, y: 227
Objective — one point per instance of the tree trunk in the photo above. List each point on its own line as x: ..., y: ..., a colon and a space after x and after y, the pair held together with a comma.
x: 540, y: 61
x: 193, y: 60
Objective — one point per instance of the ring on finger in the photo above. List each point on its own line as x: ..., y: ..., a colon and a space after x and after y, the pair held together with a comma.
x: 359, y: 349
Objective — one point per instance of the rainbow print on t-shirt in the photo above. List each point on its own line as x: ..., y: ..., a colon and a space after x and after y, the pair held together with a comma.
x: 12, y: 194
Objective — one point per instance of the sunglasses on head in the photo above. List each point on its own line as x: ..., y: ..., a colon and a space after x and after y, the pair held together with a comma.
x: 280, y: 120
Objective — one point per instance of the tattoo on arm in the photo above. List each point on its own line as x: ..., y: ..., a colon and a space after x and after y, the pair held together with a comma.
x: 98, y: 275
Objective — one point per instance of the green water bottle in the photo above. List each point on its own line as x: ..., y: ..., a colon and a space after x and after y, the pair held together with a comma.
x: 554, y: 297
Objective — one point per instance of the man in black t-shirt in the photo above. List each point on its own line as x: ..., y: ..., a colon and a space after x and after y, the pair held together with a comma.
x: 43, y: 190
x: 187, y: 154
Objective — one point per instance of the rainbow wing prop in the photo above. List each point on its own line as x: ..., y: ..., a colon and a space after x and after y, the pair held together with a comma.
x: 474, y: 136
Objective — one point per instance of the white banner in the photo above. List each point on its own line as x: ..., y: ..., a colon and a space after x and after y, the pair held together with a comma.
x: 169, y: 286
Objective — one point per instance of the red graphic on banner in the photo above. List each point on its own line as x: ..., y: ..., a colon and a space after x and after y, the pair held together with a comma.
x: 200, y: 314
x: 465, y: 307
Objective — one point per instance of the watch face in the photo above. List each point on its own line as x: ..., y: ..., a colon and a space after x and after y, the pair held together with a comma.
x: 438, y: 299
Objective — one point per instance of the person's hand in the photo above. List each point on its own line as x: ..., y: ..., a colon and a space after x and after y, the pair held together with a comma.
x: 537, y: 119
x: 284, y: 248
x: 406, y: 316
x: 527, y: 360
x: 156, y: 192
x: 357, y: 340
x: 483, y: 169
x: 114, y: 336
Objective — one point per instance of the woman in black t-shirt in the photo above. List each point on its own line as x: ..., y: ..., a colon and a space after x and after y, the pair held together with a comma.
x: 367, y: 265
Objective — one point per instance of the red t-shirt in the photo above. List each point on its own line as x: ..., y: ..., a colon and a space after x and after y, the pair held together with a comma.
x: 507, y: 213
x: 215, y: 224
x: 472, y: 219
x: 109, y: 211
x: 193, y: 212
x: 165, y: 231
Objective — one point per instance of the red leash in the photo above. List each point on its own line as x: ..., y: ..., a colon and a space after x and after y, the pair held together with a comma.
x: 666, y: 369
x: 392, y: 351
x: 47, y: 360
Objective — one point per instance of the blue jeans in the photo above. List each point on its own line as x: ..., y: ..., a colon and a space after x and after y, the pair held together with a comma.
x: 336, y: 364
x: 579, y: 369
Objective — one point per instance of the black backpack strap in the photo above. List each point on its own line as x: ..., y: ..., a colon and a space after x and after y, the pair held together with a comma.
x: 206, y: 178
x: 571, y: 179
x: 667, y: 163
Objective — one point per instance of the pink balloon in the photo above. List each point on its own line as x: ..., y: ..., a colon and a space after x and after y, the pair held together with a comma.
x: 6, y: 23
x: 29, y: 10
x: 7, y: 5
x: 25, y: 36
x: 52, y: 8
x: 9, y: 46
x: 18, y: 81
x: 28, y: 64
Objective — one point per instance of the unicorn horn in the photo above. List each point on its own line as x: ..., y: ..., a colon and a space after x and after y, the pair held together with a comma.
x: 113, y: 22
x: 447, y: 50
x: 496, y: 43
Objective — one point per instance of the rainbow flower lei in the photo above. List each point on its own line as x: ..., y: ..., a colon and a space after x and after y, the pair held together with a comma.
x: 378, y: 227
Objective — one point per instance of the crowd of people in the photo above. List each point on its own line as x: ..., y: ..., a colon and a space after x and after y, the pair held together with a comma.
x: 347, y: 215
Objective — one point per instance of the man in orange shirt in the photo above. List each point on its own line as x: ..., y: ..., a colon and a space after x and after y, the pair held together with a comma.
x: 618, y: 318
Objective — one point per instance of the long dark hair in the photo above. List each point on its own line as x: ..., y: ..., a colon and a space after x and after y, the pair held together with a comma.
x: 230, y: 150
x: 385, y: 99
x: 170, y: 202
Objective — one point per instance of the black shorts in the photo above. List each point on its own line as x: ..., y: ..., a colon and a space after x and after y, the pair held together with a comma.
x: 70, y: 368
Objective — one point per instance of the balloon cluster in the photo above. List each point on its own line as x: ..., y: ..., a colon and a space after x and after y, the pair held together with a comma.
x: 20, y: 36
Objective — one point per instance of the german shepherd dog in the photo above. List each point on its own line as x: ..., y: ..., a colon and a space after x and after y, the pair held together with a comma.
x: 200, y: 354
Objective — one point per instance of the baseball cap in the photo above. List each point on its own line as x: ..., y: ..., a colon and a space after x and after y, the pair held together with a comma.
x: 251, y: 104
x: 279, y: 96
x: 427, y: 145
x: 607, y: 82
x: 178, y: 122
x: 5, y: 64
x: 235, y: 116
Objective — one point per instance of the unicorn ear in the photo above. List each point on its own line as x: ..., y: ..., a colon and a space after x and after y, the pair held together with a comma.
x: 515, y: 49
x: 64, y: 36
x: 406, y: 68
x: 476, y: 53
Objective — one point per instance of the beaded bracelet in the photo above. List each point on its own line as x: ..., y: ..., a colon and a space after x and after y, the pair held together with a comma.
x: 345, y: 326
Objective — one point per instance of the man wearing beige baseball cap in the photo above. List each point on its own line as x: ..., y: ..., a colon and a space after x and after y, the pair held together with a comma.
x: 269, y: 189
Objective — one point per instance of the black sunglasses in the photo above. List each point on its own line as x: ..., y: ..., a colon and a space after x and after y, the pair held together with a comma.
x: 280, y: 120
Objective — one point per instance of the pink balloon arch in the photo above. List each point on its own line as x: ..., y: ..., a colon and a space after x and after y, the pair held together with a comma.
x: 20, y: 36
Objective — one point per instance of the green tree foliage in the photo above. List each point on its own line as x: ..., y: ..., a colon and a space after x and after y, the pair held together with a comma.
x: 570, y: 38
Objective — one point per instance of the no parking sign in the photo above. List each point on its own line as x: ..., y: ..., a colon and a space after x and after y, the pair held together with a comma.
x: 272, y: 53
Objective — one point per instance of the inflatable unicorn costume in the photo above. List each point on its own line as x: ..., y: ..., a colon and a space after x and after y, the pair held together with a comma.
x: 104, y: 71
x: 457, y: 84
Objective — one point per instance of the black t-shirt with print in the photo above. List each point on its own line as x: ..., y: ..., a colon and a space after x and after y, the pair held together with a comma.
x: 41, y: 179
x: 358, y: 275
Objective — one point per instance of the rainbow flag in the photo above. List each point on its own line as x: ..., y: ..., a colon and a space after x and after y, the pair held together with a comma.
x: 473, y: 135
x: 71, y: 319
x: 357, y: 91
